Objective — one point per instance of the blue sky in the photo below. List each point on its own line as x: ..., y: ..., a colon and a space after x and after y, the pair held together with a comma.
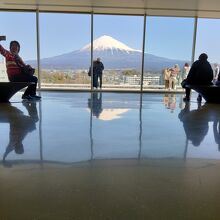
x: 62, y: 33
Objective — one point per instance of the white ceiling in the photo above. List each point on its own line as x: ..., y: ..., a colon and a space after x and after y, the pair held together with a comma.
x: 185, y: 8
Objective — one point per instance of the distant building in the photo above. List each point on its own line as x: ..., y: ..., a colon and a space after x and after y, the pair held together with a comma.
x: 133, y: 80
x: 148, y: 80
x: 3, y: 73
x: 151, y: 80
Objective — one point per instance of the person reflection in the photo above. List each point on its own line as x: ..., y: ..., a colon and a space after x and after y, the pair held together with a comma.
x: 20, y: 126
x: 216, y: 131
x: 195, y: 123
x: 169, y: 101
x: 95, y: 104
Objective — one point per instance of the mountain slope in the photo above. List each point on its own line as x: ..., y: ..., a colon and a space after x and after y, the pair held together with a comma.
x: 114, y: 54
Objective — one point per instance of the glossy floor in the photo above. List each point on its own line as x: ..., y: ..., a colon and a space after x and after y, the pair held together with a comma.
x: 109, y: 156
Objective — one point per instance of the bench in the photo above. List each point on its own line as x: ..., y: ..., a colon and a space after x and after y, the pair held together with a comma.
x: 8, y: 89
x: 209, y: 93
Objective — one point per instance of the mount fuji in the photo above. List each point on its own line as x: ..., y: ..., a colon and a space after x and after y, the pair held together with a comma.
x: 113, y: 53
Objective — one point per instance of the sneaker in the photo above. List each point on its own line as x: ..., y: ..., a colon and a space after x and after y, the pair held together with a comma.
x: 26, y: 97
x: 199, y: 98
x: 35, y: 97
x: 186, y: 99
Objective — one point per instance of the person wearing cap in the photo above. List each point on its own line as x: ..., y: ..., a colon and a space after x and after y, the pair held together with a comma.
x: 201, y: 73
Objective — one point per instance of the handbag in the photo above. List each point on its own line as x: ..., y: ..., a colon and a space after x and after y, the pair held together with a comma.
x: 27, y: 70
x: 89, y: 72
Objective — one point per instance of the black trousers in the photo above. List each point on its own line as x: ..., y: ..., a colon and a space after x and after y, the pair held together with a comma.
x: 95, y: 80
x: 31, y: 89
x: 100, y: 80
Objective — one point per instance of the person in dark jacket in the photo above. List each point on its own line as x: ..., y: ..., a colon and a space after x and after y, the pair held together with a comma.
x: 201, y: 73
x: 98, y: 68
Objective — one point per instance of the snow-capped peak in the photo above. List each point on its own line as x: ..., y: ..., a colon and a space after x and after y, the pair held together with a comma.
x: 107, y: 43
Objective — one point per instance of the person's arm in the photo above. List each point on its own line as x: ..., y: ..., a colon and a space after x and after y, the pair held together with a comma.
x: 4, y: 52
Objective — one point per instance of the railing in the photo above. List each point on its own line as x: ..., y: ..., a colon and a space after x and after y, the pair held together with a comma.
x: 51, y: 86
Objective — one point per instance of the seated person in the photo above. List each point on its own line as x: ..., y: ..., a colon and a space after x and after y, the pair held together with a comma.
x: 201, y: 73
x: 18, y: 71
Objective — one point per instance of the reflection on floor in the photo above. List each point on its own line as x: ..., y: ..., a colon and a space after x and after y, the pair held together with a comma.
x: 109, y: 156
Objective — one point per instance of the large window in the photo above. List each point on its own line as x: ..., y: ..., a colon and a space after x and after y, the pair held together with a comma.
x: 118, y: 42
x: 19, y: 26
x: 65, y: 47
x: 63, y: 60
x: 207, y: 39
x: 168, y: 42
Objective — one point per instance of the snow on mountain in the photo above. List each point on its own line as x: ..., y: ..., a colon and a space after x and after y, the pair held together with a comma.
x: 108, y: 43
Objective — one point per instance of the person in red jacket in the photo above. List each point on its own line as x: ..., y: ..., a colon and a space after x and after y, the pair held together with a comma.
x: 18, y: 71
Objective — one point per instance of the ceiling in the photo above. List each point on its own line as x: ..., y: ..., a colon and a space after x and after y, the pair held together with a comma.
x: 185, y: 8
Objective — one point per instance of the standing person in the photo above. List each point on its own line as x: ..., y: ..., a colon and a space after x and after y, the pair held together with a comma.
x: 201, y: 73
x: 173, y: 76
x: 216, y: 72
x: 186, y: 69
x: 98, y: 68
x: 166, y: 77
x: 18, y: 71
x: 94, y: 76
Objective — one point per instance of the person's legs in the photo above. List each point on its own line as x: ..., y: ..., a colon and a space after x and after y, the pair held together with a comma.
x: 100, y: 81
x: 174, y: 83
x: 166, y: 84
x: 187, y: 97
x: 170, y: 82
x: 95, y: 80
x: 31, y: 90
x: 199, y: 98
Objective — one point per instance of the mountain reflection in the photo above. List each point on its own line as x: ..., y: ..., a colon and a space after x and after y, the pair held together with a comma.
x: 95, y: 104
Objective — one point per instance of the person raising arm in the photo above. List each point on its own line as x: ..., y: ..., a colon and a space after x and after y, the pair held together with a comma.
x: 18, y: 71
